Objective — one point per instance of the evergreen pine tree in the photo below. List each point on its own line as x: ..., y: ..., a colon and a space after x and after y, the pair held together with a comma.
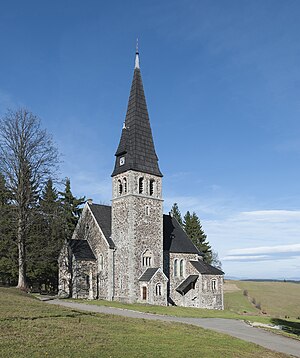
x: 45, y: 239
x: 175, y: 212
x: 195, y: 232
x: 71, y: 209
x: 8, y: 246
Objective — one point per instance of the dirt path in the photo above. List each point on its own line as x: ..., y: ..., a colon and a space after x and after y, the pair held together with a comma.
x: 235, y: 328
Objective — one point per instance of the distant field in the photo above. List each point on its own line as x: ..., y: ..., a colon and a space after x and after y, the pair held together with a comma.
x: 29, y: 328
x: 277, y: 299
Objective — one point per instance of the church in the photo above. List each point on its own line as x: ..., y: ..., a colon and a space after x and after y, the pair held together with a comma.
x: 131, y: 251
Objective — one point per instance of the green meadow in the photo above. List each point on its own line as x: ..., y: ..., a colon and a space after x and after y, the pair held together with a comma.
x: 30, y: 328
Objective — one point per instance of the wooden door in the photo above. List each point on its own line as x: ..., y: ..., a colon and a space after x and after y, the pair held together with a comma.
x: 144, y: 293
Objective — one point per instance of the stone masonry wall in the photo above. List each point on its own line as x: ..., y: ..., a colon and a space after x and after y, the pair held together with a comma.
x: 203, y: 295
x: 174, y: 281
x: 154, y: 295
x: 89, y: 230
x: 211, y: 298
x: 84, y: 279
x: 64, y: 273
x: 137, y: 226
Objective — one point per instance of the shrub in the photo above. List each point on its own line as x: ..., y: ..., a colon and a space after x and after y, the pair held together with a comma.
x: 245, y: 293
x: 258, y: 306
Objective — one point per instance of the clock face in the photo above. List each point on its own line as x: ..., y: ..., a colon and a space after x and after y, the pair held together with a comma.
x: 122, y: 161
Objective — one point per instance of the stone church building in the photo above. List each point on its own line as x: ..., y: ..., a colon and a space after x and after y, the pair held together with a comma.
x: 130, y: 251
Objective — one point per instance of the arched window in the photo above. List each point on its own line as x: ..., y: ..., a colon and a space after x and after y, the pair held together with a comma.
x: 141, y: 185
x: 125, y: 185
x: 151, y: 189
x: 213, y: 285
x: 181, y: 268
x: 158, y: 289
x: 120, y: 187
x: 147, y: 258
x: 147, y: 210
x: 100, y: 263
x: 175, y: 267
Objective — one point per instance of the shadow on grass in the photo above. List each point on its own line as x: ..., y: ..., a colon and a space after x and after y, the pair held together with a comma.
x: 287, y: 326
x: 74, y: 314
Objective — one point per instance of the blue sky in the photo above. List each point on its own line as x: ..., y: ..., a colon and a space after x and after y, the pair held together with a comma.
x: 222, y: 83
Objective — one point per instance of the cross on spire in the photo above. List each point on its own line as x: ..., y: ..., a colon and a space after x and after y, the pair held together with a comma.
x: 137, y: 59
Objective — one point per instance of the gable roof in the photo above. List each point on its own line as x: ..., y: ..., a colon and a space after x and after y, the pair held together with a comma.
x: 148, y: 274
x: 175, y: 238
x: 102, y: 214
x: 136, y: 143
x: 206, y: 269
x: 81, y: 250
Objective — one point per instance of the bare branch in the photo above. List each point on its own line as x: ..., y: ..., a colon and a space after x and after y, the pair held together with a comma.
x: 27, y: 159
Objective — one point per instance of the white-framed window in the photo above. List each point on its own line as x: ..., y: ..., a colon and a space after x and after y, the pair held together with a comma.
x: 158, y: 289
x: 176, y: 267
x: 100, y: 263
x: 213, y: 284
x: 181, y: 268
x: 147, y: 258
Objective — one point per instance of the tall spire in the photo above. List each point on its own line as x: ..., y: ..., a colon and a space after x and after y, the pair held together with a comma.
x: 136, y: 148
x: 137, y: 59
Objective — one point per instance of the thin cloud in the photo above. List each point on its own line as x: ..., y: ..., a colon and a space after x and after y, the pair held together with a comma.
x: 295, y: 248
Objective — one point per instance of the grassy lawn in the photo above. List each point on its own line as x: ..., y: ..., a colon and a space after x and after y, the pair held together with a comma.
x: 238, y: 306
x: 29, y: 328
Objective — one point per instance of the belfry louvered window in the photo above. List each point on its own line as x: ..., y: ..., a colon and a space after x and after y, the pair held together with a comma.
x: 125, y: 185
x: 151, y: 188
x: 120, y: 187
x: 141, y: 185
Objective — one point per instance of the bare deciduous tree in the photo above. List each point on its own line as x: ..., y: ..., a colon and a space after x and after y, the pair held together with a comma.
x: 27, y: 158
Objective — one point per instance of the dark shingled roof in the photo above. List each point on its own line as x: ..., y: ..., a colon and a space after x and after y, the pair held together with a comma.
x: 102, y: 214
x: 148, y: 274
x: 185, y: 286
x: 136, y: 143
x: 81, y: 250
x: 175, y: 238
x: 206, y: 269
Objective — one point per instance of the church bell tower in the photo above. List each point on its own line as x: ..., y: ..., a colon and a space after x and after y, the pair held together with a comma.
x: 137, y: 205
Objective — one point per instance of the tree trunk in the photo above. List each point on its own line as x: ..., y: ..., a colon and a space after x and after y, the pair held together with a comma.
x: 22, y: 284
